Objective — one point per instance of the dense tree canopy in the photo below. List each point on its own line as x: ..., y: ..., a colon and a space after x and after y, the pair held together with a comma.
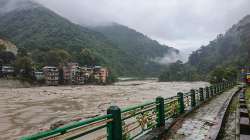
x: 40, y: 31
x: 221, y: 74
x: 223, y: 57
x: 7, y: 57
x: 179, y: 72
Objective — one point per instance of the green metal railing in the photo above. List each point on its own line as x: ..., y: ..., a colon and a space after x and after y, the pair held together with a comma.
x: 140, y: 118
x: 134, y: 121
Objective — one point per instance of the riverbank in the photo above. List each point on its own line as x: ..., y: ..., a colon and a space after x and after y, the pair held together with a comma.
x: 12, y: 83
x: 27, y: 110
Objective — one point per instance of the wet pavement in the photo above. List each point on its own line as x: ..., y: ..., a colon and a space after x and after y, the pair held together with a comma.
x: 196, y: 126
x: 229, y: 130
x: 28, y: 110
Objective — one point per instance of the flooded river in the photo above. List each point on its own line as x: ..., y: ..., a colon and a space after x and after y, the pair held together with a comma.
x: 28, y: 110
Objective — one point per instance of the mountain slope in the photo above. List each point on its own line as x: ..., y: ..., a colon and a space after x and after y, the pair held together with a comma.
x: 138, y: 46
x: 32, y: 26
x: 134, y: 42
x: 225, y: 50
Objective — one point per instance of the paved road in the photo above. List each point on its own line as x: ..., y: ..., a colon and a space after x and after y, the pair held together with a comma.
x: 196, y: 125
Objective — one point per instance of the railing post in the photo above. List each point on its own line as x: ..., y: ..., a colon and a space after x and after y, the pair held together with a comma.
x: 160, y: 112
x: 218, y: 88
x: 181, y: 102
x: 223, y: 86
x: 193, y: 103
x: 220, y: 85
x: 201, y: 94
x: 207, y: 92
x: 211, y: 91
x: 115, y: 126
x: 215, y: 89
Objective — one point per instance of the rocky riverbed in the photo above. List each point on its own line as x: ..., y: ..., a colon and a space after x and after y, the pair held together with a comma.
x: 27, y: 110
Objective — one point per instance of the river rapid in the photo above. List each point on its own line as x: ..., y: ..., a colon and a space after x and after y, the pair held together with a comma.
x: 27, y: 110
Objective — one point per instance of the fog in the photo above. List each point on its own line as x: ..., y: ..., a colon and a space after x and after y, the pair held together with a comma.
x: 183, y: 24
x: 9, y: 5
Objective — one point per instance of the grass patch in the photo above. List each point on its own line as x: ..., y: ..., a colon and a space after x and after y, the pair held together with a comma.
x: 233, y: 105
x: 247, y: 96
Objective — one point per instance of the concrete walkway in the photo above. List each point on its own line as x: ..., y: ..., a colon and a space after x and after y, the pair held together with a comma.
x: 197, y: 125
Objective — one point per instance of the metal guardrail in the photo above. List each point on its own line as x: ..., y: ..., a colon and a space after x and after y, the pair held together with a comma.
x: 132, y: 122
x: 75, y: 130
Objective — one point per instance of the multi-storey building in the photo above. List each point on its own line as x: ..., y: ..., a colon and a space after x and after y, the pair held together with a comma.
x: 6, y: 71
x: 51, y: 75
x: 72, y: 74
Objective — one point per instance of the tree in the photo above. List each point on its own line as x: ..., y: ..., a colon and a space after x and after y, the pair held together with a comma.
x: 179, y: 72
x: 87, y: 57
x: 23, y: 66
x: 221, y: 74
x: 2, y: 48
x: 22, y: 52
x: 7, y: 57
x: 112, y: 77
x: 56, y: 57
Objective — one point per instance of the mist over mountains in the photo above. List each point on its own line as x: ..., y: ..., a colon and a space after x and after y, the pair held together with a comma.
x: 229, y: 49
x: 129, y: 52
x: 30, y: 25
x: 7, y: 6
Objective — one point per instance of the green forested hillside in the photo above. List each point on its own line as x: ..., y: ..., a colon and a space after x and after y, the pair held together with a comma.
x: 37, y: 27
x: 134, y: 42
x: 140, y: 48
x: 226, y: 50
x: 229, y: 52
x: 39, y: 30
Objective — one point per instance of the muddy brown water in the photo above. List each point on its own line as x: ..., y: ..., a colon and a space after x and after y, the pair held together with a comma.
x: 28, y: 110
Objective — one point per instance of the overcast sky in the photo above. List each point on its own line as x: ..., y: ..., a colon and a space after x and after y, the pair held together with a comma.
x: 183, y: 24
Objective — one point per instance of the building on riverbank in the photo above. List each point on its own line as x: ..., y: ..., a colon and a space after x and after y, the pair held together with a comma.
x: 7, y: 71
x: 72, y: 74
x: 39, y: 75
x: 51, y: 75
x: 75, y: 74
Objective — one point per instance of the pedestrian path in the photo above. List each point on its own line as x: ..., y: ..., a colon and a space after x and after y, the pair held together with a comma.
x: 197, y: 125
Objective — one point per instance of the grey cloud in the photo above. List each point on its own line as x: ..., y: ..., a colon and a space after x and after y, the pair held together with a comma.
x: 192, y: 21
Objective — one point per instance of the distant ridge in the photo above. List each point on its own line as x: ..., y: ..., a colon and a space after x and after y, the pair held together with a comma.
x: 30, y: 25
x: 136, y: 45
x: 230, y: 49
